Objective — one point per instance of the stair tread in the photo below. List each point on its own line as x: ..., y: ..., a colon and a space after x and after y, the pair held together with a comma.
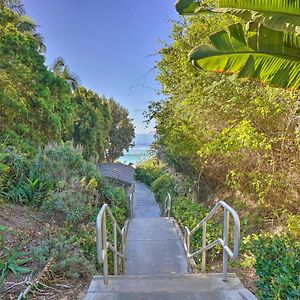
x: 174, y: 286
x: 154, y: 247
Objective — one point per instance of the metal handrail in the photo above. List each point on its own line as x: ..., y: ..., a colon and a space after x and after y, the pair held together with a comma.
x: 131, y: 199
x: 167, y: 205
x: 103, y: 245
x: 223, y: 242
x: 131, y: 205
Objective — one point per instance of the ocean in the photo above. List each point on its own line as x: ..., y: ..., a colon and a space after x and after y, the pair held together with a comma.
x: 140, y: 151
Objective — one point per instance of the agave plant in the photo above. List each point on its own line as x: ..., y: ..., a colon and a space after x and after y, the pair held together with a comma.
x: 267, y: 50
x: 13, y: 261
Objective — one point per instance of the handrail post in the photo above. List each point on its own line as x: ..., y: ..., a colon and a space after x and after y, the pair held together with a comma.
x: 123, y: 251
x: 225, y: 239
x: 188, y: 245
x: 103, y: 244
x: 203, y: 246
x: 116, y: 249
x: 99, y: 241
x: 104, y: 249
x: 131, y: 204
x: 227, y: 252
x: 169, y: 205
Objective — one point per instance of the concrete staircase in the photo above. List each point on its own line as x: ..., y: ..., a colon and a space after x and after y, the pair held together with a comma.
x: 156, y: 263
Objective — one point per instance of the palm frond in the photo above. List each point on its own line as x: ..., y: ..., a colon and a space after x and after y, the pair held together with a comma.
x: 58, y: 66
x: 14, y: 5
x: 71, y: 78
x: 40, y: 42
x: 60, y: 69
x: 26, y: 24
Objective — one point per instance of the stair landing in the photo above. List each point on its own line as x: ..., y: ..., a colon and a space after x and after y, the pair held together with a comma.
x: 167, y: 287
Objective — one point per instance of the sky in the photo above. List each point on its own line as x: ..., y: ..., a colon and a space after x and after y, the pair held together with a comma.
x: 111, y: 45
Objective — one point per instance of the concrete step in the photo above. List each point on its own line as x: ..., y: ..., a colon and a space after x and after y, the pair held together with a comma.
x: 153, y: 247
x: 167, y: 287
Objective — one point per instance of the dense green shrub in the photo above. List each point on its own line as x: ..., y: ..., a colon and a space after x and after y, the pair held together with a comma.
x: 162, y: 186
x: 119, y: 206
x: 278, y: 267
x: 21, y: 181
x: 76, y: 182
x: 148, y: 171
x: 59, y: 179
x: 68, y: 258
x: 85, y: 235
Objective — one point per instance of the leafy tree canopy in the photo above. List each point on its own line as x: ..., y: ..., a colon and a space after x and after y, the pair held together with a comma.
x: 35, y: 104
x: 121, y: 133
x: 39, y: 105
x: 92, y: 123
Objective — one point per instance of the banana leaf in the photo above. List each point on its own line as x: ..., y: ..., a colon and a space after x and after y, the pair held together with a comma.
x: 273, y: 20
x: 281, y: 15
x: 258, y: 52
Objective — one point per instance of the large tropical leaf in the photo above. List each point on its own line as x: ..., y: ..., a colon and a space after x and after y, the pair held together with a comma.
x: 259, y: 52
x: 186, y: 7
x: 291, y: 7
x: 281, y: 15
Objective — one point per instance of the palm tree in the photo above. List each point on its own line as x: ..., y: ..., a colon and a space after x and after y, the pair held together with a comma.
x: 268, y: 49
x: 14, y: 5
x: 60, y: 69
x: 23, y: 22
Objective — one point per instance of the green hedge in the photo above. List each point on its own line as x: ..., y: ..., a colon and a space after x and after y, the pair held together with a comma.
x: 278, y: 267
x: 148, y: 171
x: 162, y: 186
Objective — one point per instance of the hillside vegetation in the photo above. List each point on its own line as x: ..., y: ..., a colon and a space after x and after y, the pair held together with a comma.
x: 232, y: 139
x: 268, y: 262
x: 53, y: 131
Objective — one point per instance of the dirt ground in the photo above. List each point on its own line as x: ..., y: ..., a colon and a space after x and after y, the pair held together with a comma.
x: 27, y: 228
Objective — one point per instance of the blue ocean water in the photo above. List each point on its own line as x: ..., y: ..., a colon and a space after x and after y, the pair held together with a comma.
x: 140, y: 151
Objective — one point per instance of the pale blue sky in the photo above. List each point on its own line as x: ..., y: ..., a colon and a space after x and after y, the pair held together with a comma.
x: 110, y: 45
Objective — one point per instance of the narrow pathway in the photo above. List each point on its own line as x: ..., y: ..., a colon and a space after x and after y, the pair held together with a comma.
x: 156, y: 264
x: 153, y: 245
x: 144, y: 204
